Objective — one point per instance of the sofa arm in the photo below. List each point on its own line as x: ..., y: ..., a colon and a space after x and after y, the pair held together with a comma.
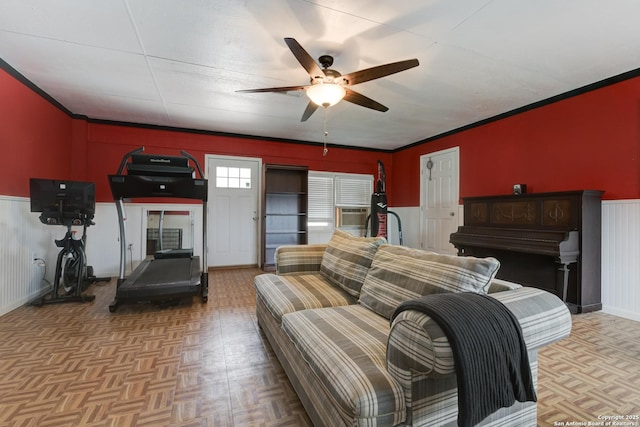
x: 543, y: 317
x: 499, y: 285
x: 299, y: 259
x: 418, y: 346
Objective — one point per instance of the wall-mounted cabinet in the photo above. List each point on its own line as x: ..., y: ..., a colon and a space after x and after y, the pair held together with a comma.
x: 284, y: 210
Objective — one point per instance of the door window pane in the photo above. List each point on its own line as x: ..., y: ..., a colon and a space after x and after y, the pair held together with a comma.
x: 233, y: 177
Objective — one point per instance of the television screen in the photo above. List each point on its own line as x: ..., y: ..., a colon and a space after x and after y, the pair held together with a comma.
x: 64, y: 199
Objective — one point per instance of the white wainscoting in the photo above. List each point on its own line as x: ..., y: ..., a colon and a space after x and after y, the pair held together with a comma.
x: 23, y: 237
x: 410, y: 223
x: 621, y: 258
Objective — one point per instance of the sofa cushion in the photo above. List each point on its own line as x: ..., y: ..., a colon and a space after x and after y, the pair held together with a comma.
x: 399, y: 274
x: 345, y: 348
x: 286, y: 294
x: 299, y: 259
x: 347, y: 258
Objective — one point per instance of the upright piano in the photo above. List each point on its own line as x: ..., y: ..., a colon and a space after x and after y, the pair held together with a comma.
x: 550, y: 241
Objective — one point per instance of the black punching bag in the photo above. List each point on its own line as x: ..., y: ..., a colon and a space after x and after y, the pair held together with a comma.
x: 379, y: 205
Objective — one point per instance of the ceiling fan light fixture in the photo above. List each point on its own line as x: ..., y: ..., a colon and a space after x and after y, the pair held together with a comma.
x: 326, y: 94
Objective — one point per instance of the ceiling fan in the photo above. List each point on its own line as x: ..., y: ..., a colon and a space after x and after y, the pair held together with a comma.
x: 327, y: 87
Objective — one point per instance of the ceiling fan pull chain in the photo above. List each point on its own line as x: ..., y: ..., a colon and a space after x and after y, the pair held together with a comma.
x: 325, y: 150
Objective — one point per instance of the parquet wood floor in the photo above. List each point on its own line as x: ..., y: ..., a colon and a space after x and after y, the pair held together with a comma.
x: 208, y: 365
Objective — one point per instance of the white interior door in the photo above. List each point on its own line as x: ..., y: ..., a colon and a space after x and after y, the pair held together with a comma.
x: 232, y: 221
x: 439, y: 200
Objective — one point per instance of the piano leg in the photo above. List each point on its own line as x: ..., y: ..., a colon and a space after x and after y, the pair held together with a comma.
x: 562, y: 279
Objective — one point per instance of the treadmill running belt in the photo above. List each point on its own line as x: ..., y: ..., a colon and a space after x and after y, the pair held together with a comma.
x: 156, y: 278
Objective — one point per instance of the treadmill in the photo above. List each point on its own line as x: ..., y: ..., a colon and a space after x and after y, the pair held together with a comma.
x: 169, y: 274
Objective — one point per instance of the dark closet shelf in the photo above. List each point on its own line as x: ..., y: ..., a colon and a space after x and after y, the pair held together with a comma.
x: 285, y: 204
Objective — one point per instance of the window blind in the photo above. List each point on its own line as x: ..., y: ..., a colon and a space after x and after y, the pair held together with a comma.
x: 320, y: 200
x: 353, y: 191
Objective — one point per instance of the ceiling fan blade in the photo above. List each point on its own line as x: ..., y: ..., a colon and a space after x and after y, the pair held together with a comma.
x: 379, y: 71
x: 304, y: 58
x: 311, y: 108
x: 359, y: 99
x: 274, y: 89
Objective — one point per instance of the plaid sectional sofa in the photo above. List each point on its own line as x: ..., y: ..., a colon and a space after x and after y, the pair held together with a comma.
x: 326, y: 315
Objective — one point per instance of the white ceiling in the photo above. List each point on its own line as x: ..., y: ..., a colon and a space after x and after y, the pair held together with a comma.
x: 179, y: 63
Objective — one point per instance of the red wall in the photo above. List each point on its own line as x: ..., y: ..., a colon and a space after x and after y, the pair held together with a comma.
x: 35, y: 138
x: 590, y: 141
x: 106, y: 144
x: 40, y: 140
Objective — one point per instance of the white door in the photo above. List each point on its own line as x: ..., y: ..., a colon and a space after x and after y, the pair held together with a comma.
x: 232, y: 221
x: 439, y: 200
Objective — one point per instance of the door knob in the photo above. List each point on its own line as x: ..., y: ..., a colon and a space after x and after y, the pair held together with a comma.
x: 452, y: 214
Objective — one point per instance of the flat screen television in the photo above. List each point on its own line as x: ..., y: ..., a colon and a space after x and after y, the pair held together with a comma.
x: 62, y: 200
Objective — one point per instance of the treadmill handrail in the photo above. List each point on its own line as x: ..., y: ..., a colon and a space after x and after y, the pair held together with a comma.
x: 126, y: 157
x: 156, y: 184
x: 193, y: 159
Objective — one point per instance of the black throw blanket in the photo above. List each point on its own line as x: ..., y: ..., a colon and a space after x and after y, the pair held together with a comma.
x: 491, y: 361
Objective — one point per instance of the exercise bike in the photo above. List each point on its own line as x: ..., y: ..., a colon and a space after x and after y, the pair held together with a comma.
x: 72, y: 276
